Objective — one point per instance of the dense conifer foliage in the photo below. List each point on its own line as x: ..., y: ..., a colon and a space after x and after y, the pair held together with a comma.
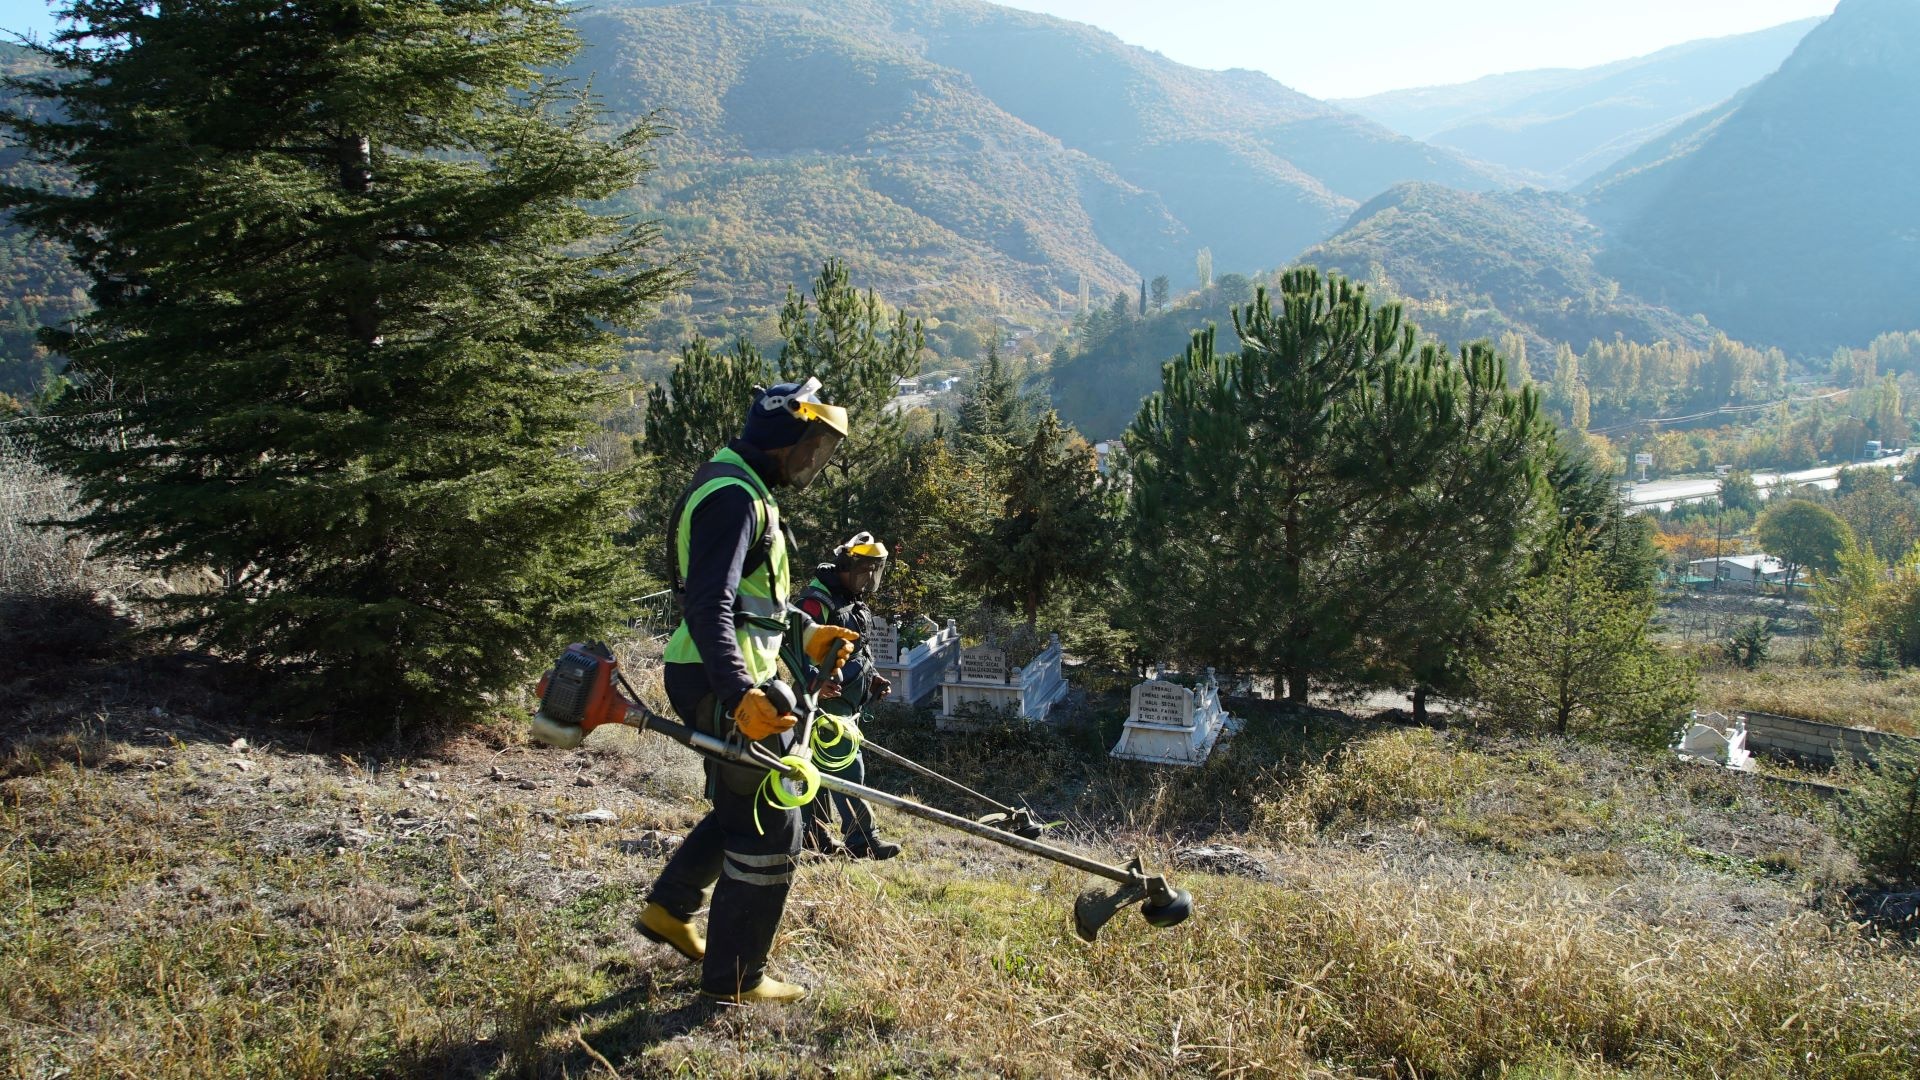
x: 348, y: 303
x: 1334, y: 493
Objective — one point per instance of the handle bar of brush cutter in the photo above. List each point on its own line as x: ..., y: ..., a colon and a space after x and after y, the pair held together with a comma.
x: 812, y: 701
x: 912, y: 766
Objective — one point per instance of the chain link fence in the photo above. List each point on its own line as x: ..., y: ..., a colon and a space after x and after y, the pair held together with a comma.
x: 38, y: 558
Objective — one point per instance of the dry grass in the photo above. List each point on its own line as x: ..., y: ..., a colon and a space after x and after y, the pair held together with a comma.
x: 176, y: 907
x: 1829, y: 695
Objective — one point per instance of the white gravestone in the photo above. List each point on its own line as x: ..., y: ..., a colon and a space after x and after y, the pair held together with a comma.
x: 916, y: 674
x: 1172, y: 725
x: 981, y: 677
x: 1712, y: 738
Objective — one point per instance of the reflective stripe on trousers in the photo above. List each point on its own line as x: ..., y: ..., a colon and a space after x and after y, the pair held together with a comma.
x: 776, y: 869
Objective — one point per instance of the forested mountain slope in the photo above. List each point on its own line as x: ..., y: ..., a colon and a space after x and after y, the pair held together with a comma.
x: 972, y: 161
x: 36, y: 283
x: 1789, y: 218
x: 1483, y: 266
x: 967, y: 157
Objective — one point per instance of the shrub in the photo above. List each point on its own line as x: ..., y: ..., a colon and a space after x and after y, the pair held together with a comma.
x: 1880, y: 814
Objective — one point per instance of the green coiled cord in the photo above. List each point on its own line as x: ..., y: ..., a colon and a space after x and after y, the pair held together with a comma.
x: 775, y: 791
x: 844, y: 732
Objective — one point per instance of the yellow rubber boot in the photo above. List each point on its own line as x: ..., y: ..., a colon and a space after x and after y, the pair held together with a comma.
x: 659, y: 924
x: 769, y: 990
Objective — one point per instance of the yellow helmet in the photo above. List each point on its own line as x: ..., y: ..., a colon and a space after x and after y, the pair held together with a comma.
x: 804, y: 402
x: 863, y: 546
x: 862, y: 562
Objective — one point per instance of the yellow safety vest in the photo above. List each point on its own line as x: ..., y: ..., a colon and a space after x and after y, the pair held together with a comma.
x: 760, y: 604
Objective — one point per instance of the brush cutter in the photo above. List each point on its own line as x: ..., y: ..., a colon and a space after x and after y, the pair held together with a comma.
x: 579, y: 694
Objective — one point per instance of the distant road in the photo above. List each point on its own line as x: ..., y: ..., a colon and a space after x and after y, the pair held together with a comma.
x: 1665, y: 493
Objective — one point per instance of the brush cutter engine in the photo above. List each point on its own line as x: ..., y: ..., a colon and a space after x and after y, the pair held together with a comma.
x: 578, y: 695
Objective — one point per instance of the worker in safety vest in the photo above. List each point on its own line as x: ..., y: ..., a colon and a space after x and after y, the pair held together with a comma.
x: 837, y: 596
x: 729, y: 554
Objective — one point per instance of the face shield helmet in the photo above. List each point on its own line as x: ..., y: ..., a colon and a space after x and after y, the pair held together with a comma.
x: 810, y: 455
x: 862, y: 563
x: 816, y: 428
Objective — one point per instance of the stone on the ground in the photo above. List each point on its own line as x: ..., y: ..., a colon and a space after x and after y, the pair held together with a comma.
x: 1222, y: 859
x: 599, y: 815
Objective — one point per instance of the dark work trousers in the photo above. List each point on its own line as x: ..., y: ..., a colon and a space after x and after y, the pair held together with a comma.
x: 856, y: 818
x: 750, y: 871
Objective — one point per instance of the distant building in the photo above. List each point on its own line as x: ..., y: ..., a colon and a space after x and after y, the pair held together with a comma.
x: 1747, y: 570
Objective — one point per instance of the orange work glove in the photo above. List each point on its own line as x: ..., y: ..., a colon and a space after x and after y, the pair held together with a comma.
x: 829, y: 646
x: 756, y: 718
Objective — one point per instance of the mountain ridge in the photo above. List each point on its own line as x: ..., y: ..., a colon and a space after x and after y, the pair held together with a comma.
x: 1023, y: 154
x: 1557, y: 127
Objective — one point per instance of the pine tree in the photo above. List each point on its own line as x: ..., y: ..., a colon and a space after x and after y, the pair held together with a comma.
x: 1316, y: 504
x: 939, y: 505
x: 1143, y: 298
x: 702, y: 405
x: 994, y: 414
x: 349, y: 307
x: 1880, y: 812
x: 1162, y: 288
x: 859, y: 349
x: 1052, y: 525
x: 1572, y: 655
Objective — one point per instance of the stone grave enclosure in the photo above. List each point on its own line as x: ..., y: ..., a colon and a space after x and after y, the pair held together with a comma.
x: 916, y: 674
x: 1711, y: 737
x: 1172, y: 725
x: 981, y: 675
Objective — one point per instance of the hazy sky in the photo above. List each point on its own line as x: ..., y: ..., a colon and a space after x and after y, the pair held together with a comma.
x: 1332, y: 49
x: 1327, y: 48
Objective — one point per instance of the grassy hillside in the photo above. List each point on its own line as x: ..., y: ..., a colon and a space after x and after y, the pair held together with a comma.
x: 188, y: 905
x: 1557, y: 127
x: 1789, y: 218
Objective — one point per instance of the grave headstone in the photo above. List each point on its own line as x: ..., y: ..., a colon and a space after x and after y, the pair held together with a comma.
x: 981, y: 677
x: 983, y: 664
x: 1156, y: 702
x: 884, y: 639
x: 1172, y: 725
x: 915, y: 672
